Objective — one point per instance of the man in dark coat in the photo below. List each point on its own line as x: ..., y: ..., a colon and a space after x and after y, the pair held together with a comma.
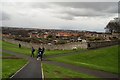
x: 39, y: 53
x: 43, y: 50
x: 19, y: 45
x: 33, y: 50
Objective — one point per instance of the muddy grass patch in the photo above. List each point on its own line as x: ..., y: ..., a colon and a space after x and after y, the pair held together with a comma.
x: 11, y: 57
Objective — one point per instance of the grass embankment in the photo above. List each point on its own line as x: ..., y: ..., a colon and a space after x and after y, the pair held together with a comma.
x: 14, y: 48
x: 52, y: 71
x: 6, y: 54
x: 10, y: 66
x: 27, y: 51
x: 105, y: 59
x: 0, y: 44
x: 0, y: 59
x: 55, y: 52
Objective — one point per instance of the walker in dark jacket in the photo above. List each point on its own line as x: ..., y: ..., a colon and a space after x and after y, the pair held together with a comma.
x: 33, y: 50
x: 19, y: 45
x: 43, y: 50
x: 39, y: 53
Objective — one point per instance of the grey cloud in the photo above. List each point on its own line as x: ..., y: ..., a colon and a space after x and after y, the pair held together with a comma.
x: 72, y: 13
x: 87, y: 9
x: 98, y: 6
x: 43, y: 5
x: 119, y: 9
x: 83, y: 12
x: 66, y: 17
x: 4, y: 16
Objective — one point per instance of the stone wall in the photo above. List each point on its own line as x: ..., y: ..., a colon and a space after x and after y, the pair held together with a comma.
x: 67, y: 46
x: 92, y: 45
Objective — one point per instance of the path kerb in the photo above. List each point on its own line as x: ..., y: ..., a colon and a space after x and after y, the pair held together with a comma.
x: 19, y: 70
x: 42, y: 71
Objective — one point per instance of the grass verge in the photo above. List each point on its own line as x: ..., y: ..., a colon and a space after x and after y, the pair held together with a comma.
x: 53, y: 71
x: 10, y: 66
x: 105, y: 59
x: 27, y: 51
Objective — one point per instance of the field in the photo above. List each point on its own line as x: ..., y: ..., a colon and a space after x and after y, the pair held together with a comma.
x: 105, y: 59
x: 5, y: 54
x: 0, y: 60
x: 10, y: 66
x: 27, y: 51
x: 53, y: 71
x: 14, y: 48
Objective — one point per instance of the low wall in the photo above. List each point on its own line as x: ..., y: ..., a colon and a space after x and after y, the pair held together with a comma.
x: 92, y: 45
x: 67, y: 46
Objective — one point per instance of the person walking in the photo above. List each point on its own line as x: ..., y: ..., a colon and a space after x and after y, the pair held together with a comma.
x: 33, y: 50
x: 43, y: 50
x: 39, y: 53
x: 19, y: 45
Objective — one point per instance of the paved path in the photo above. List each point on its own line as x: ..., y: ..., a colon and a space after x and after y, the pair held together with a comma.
x: 97, y: 73
x: 31, y: 70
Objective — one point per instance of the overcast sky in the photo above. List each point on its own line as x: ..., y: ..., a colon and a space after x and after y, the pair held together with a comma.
x: 90, y: 16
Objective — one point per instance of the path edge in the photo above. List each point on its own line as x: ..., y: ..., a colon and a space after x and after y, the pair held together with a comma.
x: 19, y: 70
x: 42, y: 71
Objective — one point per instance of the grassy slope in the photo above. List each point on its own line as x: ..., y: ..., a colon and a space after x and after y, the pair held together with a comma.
x: 0, y: 44
x: 52, y: 71
x: 10, y: 66
x: 14, y: 48
x: 103, y: 59
x: 27, y: 51
x: 54, y: 52
x: 6, y: 54
x: 0, y: 60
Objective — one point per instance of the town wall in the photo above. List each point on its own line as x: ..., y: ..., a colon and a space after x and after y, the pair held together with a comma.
x: 92, y: 45
x: 68, y: 46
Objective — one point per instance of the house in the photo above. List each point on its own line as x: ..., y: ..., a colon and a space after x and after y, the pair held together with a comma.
x: 33, y: 35
x: 66, y: 34
x: 117, y: 35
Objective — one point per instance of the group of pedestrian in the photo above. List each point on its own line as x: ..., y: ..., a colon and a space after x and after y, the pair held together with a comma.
x: 39, y: 53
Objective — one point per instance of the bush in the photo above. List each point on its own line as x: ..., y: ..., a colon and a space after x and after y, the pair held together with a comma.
x: 23, y: 39
x: 28, y: 40
x: 95, y: 38
x: 61, y: 42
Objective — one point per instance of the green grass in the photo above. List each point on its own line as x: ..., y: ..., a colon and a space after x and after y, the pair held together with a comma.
x: 14, y: 48
x: 27, y: 51
x: 6, y: 54
x: 10, y: 66
x: 105, y: 59
x: 0, y: 68
x: 0, y: 60
x: 53, y: 71
x: 0, y: 44
x: 55, y: 52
